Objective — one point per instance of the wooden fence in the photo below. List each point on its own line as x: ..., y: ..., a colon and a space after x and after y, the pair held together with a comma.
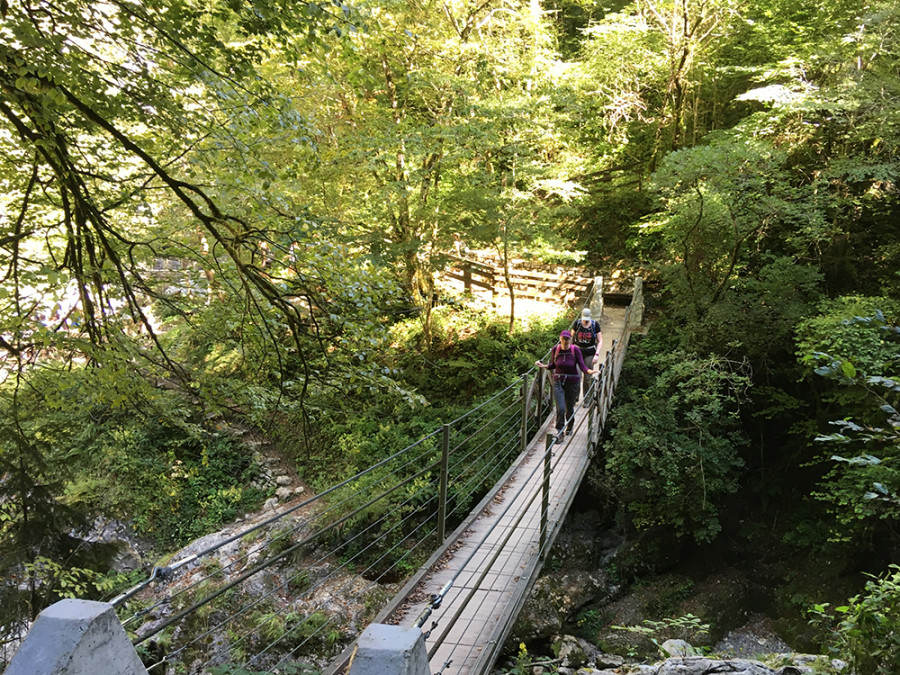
x: 552, y: 283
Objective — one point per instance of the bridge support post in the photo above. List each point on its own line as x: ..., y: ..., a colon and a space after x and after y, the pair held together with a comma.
x: 545, y: 494
x: 76, y: 637
x: 390, y: 650
x: 442, y: 497
x: 596, y: 305
x: 637, y: 305
x: 539, y: 408
x: 523, y: 440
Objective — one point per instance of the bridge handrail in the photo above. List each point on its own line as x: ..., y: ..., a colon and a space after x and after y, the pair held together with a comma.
x: 163, y: 573
x: 507, y: 422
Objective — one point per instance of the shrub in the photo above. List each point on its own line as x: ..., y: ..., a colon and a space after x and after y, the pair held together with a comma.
x: 866, y: 631
x: 674, y: 446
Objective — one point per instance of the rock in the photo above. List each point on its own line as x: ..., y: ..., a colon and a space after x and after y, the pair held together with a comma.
x: 299, y: 490
x: 554, y: 598
x: 113, y: 544
x: 602, y: 660
x: 284, y: 493
x: 571, y: 651
x: 283, y: 480
x: 677, y: 648
x: 701, y: 665
x: 718, y: 600
x: 271, y: 503
x: 752, y: 639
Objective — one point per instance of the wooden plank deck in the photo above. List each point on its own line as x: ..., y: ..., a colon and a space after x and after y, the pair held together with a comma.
x: 494, y: 558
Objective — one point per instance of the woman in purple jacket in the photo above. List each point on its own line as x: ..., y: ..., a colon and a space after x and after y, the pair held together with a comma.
x: 565, y: 362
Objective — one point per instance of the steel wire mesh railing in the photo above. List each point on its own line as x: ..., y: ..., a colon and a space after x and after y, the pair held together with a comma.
x: 237, y: 606
x: 466, y: 605
x: 234, y: 606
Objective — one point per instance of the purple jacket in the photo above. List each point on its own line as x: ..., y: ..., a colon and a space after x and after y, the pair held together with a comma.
x: 566, y: 363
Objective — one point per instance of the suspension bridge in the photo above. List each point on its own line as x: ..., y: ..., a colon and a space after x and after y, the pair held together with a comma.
x: 447, y: 535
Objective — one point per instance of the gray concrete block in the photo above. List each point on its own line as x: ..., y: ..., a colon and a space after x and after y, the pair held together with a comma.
x: 390, y: 650
x: 76, y: 637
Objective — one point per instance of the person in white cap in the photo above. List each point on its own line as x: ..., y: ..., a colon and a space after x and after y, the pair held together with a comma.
x: 589, y: 339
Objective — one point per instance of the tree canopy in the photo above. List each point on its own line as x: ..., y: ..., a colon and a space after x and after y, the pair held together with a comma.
x: 231, y: 214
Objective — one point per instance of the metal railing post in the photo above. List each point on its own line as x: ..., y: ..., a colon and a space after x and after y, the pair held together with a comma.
x: 445, y: 471
x: 523, y: 445
x: 545, y: 494
x: 594, y: 392
x: 539, y: 408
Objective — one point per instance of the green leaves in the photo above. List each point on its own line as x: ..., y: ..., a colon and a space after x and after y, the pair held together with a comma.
x: 675, y: 440
x: 864, y: 631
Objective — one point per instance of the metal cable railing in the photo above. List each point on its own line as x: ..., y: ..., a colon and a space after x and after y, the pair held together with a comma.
x: 309, y: 590
x: 279, y: 536
x: 236, y: 606
x: 369, y: 532
x: 466, y: 605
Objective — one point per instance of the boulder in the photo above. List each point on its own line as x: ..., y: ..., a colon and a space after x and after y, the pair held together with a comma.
x: 554, y: 599
x: 677, y: 648
x: 668, y: 602
x: 572, y: 652
x: 701, y: 665
x: 757, y: 636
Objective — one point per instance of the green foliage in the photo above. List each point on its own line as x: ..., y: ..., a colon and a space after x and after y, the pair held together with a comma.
x: 174, y: 478
x: 524, y: 663
x: 865, y: 631
x: 853, y: 330
x: 473, y: 353
x: 589, y: 623
x: 288, y: 669
x: 687, y: 627
x: 863, y: 488
x: 68, y: 582
x: 674, y: 444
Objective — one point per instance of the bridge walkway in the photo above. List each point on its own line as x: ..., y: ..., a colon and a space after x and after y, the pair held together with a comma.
x: 492, y: 560
x: 257, y: 613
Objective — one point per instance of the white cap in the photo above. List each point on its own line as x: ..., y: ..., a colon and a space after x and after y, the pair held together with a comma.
x: 585, y: 313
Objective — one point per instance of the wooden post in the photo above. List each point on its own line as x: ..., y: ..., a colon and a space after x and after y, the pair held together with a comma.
x: 442, y: 497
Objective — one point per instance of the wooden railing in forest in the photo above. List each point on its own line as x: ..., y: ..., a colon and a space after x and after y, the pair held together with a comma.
x: 550, y: 283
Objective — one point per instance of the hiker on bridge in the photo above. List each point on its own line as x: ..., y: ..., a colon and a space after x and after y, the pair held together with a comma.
x: 565, y: 362
x: 589, y: 339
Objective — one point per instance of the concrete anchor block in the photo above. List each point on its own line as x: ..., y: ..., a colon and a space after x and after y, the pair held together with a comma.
x: 76, y: 637
x: 390, y: 650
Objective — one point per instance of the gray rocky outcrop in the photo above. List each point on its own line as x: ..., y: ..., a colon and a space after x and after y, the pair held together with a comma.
x: 578, y: 654
x: 702, y: 665
x: 556, y: 597
x: 579, y: 555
